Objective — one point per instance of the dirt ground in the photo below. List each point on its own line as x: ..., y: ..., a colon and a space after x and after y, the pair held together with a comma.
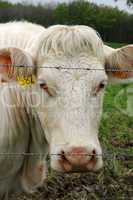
x: 104, y: 185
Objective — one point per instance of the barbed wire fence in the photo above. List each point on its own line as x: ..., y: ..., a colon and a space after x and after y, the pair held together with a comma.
x: 127, y: 69
x: 36, y: 155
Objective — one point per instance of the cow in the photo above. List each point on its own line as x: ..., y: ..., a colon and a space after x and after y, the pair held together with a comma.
x: 61, y: 111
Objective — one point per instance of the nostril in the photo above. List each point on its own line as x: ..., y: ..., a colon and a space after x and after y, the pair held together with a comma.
x: 94, y: 152
x: 93, y: 155
x: 63, y: 156
x: 66, y: 165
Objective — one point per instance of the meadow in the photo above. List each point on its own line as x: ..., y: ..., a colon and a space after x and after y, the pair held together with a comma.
x: 115, y: 180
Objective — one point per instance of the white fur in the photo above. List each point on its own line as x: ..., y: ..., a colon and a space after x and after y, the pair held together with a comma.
x: 71, y: 40
x: 23, y: 35
x: 20, y: 129
x: 71, y: 117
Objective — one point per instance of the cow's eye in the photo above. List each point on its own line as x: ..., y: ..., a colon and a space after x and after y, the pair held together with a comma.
x: 100, y: 87
x: 44, y: 86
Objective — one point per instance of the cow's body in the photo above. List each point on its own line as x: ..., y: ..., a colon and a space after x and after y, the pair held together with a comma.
x: 65, y: 102
x: 23, y: 35
x: 20, y: 129
x: 21, y: 132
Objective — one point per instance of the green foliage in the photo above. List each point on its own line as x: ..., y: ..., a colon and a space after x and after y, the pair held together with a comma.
x: 115, y: 45
x: 112, y: 24
x: 61, y: 13
x: 129, y: 2
x: 4, y: 4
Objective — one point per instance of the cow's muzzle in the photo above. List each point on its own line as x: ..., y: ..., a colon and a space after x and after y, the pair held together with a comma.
x: 78, y: 159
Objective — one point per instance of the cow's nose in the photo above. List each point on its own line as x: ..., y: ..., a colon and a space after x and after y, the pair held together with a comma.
x: 78, y: 158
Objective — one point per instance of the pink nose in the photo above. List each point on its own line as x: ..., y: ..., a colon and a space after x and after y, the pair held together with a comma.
x: 78, y: 157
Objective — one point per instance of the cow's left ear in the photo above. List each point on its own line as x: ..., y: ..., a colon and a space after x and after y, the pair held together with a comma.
x: 119, y: 63
x: 14, y: 62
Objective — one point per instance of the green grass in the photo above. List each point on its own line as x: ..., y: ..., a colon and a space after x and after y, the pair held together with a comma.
x: 116, y: 132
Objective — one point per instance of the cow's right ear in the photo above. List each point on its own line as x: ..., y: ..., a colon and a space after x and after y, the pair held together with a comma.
x: 119, y: 63
x: 14, y: 62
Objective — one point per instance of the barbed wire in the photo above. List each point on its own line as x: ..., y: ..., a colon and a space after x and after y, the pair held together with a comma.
x: 130, y: 69
x: 105, y: 155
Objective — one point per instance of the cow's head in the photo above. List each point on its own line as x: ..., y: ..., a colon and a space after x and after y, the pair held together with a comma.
x: 73, y: 79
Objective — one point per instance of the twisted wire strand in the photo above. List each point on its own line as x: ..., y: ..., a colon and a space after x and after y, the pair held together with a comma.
x: 113, y: 69
x: 112, y: 154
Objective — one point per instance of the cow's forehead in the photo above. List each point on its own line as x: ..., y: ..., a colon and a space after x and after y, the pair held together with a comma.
x: 60, y: 68
x: 82, y: 60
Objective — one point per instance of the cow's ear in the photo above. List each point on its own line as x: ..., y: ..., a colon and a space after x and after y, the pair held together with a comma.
x: 119, y: 63
x: 14, y: 62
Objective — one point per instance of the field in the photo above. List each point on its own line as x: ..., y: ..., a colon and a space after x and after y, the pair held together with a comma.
x: 115, y: 180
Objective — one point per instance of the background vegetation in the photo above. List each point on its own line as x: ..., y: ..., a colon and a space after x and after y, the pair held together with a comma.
x: 112, y: 24
x: 129, y: 2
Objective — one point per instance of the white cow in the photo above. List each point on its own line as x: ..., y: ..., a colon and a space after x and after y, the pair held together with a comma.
x: 65, y: 103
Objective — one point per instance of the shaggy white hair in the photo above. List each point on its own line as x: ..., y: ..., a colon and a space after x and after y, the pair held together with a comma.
x: 71, y: 40
x: 23, y: 35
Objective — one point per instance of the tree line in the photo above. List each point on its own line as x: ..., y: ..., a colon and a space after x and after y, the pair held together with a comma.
x: 129, y: 2
x: 111, y: 23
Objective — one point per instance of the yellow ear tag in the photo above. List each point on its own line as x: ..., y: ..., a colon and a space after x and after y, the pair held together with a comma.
x: 26, y: 80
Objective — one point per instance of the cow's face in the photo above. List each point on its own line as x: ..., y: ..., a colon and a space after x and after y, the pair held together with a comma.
x: 72, y: 110
x: 73, y: 97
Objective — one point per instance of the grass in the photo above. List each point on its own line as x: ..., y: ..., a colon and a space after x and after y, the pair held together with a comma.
x: 116, y: 131
x: 115, y: 181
